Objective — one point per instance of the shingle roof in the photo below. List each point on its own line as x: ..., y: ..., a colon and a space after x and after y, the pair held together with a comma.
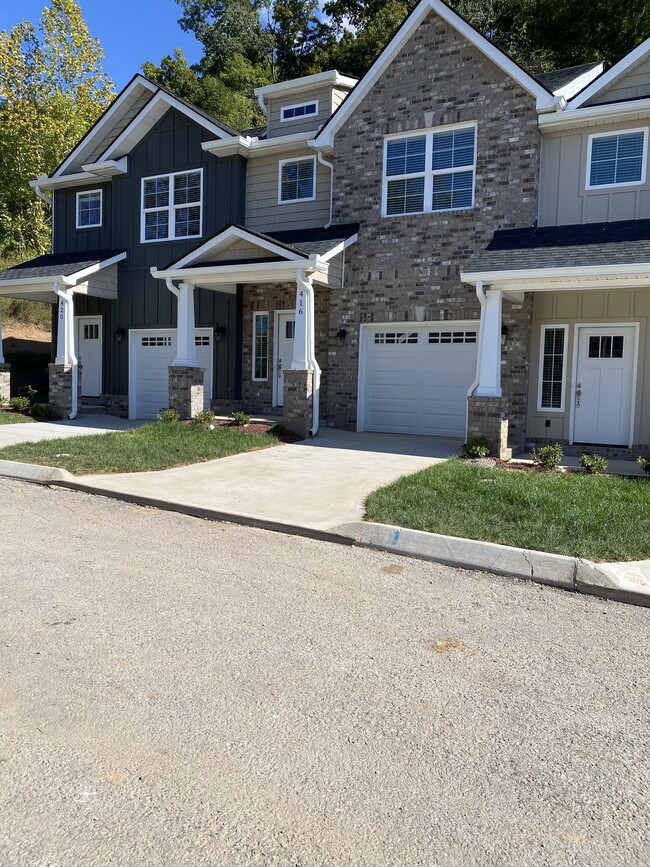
x: 57, y: 264
x: 623, y: 243
x: 561, y: 77
x: 310, y: 241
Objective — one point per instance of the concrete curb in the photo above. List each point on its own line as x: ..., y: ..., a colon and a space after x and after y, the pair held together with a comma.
x: 33, y: 473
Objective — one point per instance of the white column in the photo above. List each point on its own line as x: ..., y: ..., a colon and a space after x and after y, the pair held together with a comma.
x: 304, y: 315
x: 2, y: 358
x: 65, y: 341
x: 185, y: 328
x: 489, y: 384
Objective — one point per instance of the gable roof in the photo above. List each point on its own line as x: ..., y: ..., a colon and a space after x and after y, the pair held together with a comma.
x: 571, y: 80
x: 543, y: 96
x: 606, y: 78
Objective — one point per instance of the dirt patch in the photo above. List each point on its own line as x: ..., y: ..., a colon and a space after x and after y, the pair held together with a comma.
x: 255, y: 428
x: 25, y: 337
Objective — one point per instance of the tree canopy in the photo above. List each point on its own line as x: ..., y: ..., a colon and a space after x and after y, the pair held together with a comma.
x: 52, y: 88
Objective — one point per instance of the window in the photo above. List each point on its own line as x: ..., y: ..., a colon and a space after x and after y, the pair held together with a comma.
x: 429, y: 172
x: 552, y: 368
x: 395, y: 337
x: 617, y: 160
x: 606, y: 346
x: 261, y: 346
x: 89, y: 209
x: 295, y: 112
x: 156, y: 341
x: 452, y: 337
x: 297, y: 180
x: 171, y: 206
x: 91, y: 331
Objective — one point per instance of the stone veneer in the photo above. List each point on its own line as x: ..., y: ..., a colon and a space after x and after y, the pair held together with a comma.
x: 297, y: 412
x: 60, y: 396
x: 5, y: 383
x: 186, y: 390
x: 488, y: 417
x: 400, y: 263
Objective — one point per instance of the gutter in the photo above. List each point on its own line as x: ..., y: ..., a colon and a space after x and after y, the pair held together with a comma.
x: 482, y: 298
x: 311, y: 352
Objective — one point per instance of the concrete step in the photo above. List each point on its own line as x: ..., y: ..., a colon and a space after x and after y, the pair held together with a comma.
x: 92, y: 409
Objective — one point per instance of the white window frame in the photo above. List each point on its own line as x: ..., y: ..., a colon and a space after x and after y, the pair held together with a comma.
x: 565, y: 355
x: 282, y: 163
x: 428, y: 172
x: 254, y: 352
x: 171, y: 208
x: 303, y: 117
x: 101, y: 209
x: 611, y: 134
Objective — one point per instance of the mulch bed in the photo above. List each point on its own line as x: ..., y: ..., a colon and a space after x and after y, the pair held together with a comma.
x: 255, y: 428
x: 519, y: 465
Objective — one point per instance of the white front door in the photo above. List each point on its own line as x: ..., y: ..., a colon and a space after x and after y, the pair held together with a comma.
x: 89, y: 354
x: 286, y: 329
x: 604, y: 384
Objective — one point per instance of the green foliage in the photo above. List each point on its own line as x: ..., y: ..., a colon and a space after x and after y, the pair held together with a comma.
x: 42, y: 410
x: 204, y: 417
x: 478, y: 447
x: 548, y: 456
x: 240, y: 419
x: 19, y: 403
x: 52, y: 89
x: 166, y: 415
x: 594, y: 464
x: 644, y: 463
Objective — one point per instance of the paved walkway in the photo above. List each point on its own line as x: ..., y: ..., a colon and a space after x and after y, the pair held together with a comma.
x: 34, y: 432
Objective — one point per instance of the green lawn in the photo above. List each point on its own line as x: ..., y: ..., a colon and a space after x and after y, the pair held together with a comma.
x: 13, y: 418
x: 150, y: 447
x: 597, y: 517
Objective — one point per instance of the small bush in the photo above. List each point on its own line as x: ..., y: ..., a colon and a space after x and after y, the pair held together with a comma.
x: 594, y: 464
x: 204, y: 417
x: 477, y: 447
x: 165, y: 414
x: 28, y: 392
x: 42, y: 410
x: 644, y: 463
x: 240, y: 419
x: 19, y: 403
x: 548, y: 456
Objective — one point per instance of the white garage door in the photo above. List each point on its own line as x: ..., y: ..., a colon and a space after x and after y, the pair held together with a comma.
x: 150, y: 354
x: 416, y: 378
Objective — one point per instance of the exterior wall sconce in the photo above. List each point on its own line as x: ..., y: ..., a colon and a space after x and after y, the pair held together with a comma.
x: 119, y: 335
x: 504, y: 331
x: 219, y: 333
x: 340, y: 336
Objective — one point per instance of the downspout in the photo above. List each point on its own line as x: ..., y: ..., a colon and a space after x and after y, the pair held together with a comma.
x: 330, y: 166
x: 173, y: 289
x: 66, y: 298
x: 482, y: 298
x: 311, y: 352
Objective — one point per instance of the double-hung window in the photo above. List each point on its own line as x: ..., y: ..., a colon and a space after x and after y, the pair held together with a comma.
x: 297, y: 180
x: 430, y: 171
x: 89, y: 209
x: 552, y: 362
x: 617, y: 159
x: 172, y: 206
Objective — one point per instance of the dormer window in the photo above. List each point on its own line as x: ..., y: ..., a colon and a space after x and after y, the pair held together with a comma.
x: 171, y: 206
x: 299, y: 111
x: 89, y: 209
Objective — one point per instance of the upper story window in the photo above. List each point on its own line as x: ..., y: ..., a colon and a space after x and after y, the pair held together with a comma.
x: 172, y: 206
x: 429, y: 172
x: 89, y: 209
x: 298, y: 111
x: 297, y: 180
x: 617, y: 159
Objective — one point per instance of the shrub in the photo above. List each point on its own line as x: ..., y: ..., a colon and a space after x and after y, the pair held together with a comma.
x: 477, y: 447
x: 594, y: 464
x: 239, y: 418
x: 42, y: 410
x: 165, y: 414
x: 644, y: 463
x: 204, y: 417
x: 28, y: 392
x: 548, y: 456
x: 19, y: 403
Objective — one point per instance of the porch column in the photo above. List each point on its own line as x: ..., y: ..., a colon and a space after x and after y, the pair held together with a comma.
x: 489, y: 367
x: 301, y: 381
x: 4, y: 374
x: 304, y: 313
x: 186, y: 378
x: 64, y: 373
x: 185, y: 328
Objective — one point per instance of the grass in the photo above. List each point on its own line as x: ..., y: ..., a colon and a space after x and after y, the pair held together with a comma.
x: 150, y: 447
x: 13, y: 418
x: 597, y: 517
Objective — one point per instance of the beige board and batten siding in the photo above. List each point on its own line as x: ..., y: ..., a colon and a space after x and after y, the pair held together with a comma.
x: 277, y: 127
x: 563, y: 197
x: 262, y: 209
x: 587, y: 308
x: 634, y: 84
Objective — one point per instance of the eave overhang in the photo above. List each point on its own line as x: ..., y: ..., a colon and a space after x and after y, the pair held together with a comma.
x: 247, y: 146
x: 552, y: 279
x: 249, y: 272
x: 92, y: 174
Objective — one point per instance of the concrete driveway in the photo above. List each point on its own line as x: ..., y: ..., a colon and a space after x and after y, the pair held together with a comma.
x: 319, y: 483
x: 34, y: 432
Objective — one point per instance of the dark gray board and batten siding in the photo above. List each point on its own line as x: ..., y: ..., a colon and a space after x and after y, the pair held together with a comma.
x: 173, y: 145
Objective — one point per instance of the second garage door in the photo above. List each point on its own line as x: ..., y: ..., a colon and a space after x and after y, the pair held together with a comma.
x: 415, y: 379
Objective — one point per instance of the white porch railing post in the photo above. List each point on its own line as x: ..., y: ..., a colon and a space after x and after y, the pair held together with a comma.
x: 185, y: 328
x: 489, y: 384
x: 304, y: 312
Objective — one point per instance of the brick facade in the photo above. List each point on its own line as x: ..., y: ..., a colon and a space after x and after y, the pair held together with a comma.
x: 186, y: 390
x: 60, y: 396
x: 298, y: 401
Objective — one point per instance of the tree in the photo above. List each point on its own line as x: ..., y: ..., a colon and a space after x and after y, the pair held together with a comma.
x: 52, y: 89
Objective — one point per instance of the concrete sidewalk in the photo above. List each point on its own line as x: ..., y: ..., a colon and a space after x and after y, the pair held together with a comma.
x: 83, y: 425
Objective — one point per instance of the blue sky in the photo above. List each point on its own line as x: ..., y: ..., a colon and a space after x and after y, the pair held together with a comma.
x: 131, y: 31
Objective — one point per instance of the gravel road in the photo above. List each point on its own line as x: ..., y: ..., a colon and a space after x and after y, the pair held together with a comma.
x: 178, y: 692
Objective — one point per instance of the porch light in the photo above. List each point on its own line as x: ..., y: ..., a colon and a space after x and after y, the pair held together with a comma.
x: 504, y: 331
x: 340, y: 336
x: 119, y: 334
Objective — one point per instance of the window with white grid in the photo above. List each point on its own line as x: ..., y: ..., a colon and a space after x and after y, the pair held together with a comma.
x: 172, y: 206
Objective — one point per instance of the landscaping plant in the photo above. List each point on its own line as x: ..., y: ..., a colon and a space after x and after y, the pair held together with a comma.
x: 166, y: 414
x: 18, y: 404
x: 594, y: 464
x: 478, y: 447
x: 548, y: 456
x: 42, y: 410
x: 644, y: 463
x: 204, y: 417
x: 240, y: 419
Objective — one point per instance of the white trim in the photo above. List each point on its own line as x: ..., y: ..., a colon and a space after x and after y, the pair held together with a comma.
x: 571, y: 88
x: 101, y: 209
x: 574, y: 371
x: 340, y: 248
x: 171, y: 207
x: 95, y: 318
x: 218, y: 242
x: 257, y: 313
x: 629, y: 111
x: 302, y: 117
x: 248, y: 272
x: 545, y: 101
x: 544, y: 329
x: 428, y: 173
x: 281, y: 164
x: 612, y: 134
x: 306, y: 82
x: 276, y: 349
x: 525, y: 274
x: 611, y: 75
x: 256, y: 147
x: 70, y: 280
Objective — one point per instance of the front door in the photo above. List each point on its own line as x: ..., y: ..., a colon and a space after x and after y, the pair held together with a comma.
x: 89, y: 354
x: 604, y: 383
x: 286, y: 326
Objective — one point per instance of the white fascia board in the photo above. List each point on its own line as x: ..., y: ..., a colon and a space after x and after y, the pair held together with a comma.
x: 107, y: 168
x: 35, y: 281
x: 76, y: 180
x: 593, y: 115
x: 228, y: 147
x: 568, y: 91
x: 604, y: 80
x: 306, y: 82
x: 103, y: 122
x: 233, y: 233
x: 79, y: 276
x: 252, y: 147
x: 526, y: 275
x: 246, y: 272
x: 325, y: 257
x: 545, y: 101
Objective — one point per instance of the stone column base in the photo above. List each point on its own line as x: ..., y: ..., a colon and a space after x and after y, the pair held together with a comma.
x: 4, y: 383
x: 487, y: 417
x: 186, y: 390
x: 297, y: 410
x: 61, y: 388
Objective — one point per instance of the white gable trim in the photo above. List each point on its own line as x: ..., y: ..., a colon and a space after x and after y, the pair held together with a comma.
x: 603, y: 81
x: 221, y: 242
x: 104, y: 121
x: 544, y: 99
